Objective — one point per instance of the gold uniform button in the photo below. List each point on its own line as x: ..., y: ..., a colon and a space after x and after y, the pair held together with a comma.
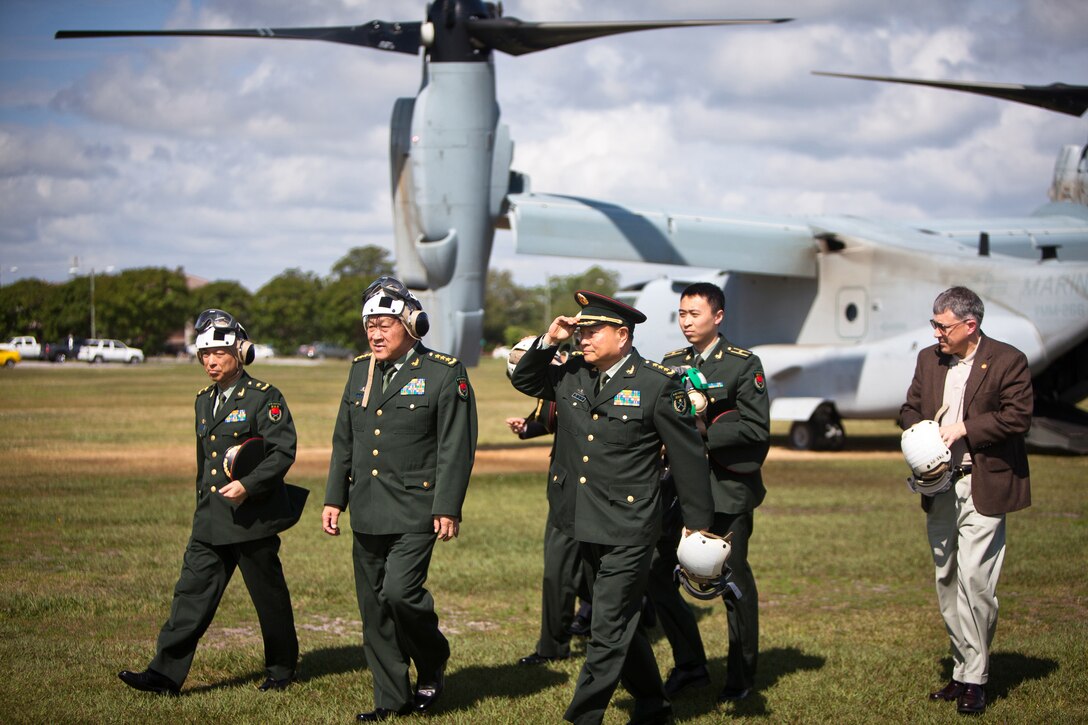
x: 235, y: 434
x: 214, y: 454
x: 412, y: 406
x: 555, y: 478
x: 595, y: 416
x: 379, y: 412
x: 213, y: 489
x: 625, y: 417
x: 377, y: 431
x: 374, y: 472
x: 215, y: 472
x: 589, y: 437
x: 426, y: 484
x: 585, y: 459
x: 213, y: 437
x: 630, y: 499
x: 582, y: 479
x: 375, y: 451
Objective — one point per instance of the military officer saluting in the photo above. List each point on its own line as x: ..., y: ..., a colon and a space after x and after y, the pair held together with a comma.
x: 736, y: 431
x: 402, y: 452
x: 236, y: 521
x: 614, y: 412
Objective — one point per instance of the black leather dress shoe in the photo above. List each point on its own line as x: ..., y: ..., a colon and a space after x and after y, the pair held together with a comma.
x: 149, y: 681
x: 733, y: 694
x: 579, y: 627
x: 972, y: 700
x: 949, y: 692
x: 379, y: 714
x: 681, y: 678
x: 427, y: 693
x: 273, y: 684
x: 535, y: 659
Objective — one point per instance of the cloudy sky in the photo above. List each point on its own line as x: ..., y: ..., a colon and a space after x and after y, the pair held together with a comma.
x: 236, y: 159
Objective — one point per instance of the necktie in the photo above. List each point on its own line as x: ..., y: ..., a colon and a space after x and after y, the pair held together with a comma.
x: 602, y: 380
x: 387, y: 376
x: 220, y: 401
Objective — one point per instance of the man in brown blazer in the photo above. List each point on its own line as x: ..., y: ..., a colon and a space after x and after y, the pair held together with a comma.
x: 986, y: 386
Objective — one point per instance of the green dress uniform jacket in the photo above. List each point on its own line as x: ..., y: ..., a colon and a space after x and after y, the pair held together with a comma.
x: 604, y: 482
x: 407, y: 456
x: 738, y: 442
x: 254, y: 409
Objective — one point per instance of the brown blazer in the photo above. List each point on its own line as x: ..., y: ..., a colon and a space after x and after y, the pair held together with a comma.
x: 997, y: 408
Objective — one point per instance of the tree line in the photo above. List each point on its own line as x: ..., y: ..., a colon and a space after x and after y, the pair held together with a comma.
x: 146, y: 307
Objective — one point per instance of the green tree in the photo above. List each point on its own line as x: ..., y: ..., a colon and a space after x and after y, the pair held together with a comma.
x: 510, y: 310
x: 25, y: 307
x: 142, y: 306
x: 562, y: 289
x: 339, y: 312
x: 226, y: 295
x: 369, y: 263
x: 285, y: 310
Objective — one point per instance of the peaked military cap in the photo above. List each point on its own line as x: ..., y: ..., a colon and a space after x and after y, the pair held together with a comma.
x: 598, y: 309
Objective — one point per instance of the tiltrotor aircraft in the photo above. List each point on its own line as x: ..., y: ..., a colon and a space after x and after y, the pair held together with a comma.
x: 839, y: 299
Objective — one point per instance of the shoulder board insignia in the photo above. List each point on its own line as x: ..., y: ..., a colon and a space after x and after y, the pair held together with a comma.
x: 739, y: 352
x: 204, y: 390
x: 364, y: 356
x: 674, y: 353
x: 667, y: 372
x: 577, y: 353
x: 445, y: 359
x: 259, y: 385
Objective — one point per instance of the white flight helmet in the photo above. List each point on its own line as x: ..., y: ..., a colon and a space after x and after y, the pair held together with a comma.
x: 701, y: 568
x: 388, y: 296
x: 216, y: 328
x: 928, y: 457
x: 519, y: 349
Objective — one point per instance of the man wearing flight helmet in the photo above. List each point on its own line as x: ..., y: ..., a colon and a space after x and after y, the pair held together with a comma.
x: 402, y: 452
x: 237, y: 517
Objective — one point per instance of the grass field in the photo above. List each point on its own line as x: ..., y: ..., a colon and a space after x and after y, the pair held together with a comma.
x: 97, y: 499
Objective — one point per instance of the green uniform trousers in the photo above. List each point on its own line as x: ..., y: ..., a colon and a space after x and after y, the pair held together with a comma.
x: 618, y: 650
x: 399, y: 622
x: 678, y: 621
x: 559, y: 590
x: 205, y: 572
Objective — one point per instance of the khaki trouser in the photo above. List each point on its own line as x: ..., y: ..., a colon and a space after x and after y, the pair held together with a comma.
x: 968, y: 550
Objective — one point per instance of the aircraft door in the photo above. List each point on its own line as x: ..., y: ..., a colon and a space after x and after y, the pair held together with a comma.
x: 852, y: 312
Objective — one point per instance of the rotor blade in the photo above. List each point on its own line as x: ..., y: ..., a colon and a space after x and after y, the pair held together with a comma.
x: 1060, y: 97
x: 517, y: 37
x: 397, y: 37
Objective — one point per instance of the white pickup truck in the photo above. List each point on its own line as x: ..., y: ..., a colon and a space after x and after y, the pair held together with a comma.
x: 97, y: 351
x: 27, y: 346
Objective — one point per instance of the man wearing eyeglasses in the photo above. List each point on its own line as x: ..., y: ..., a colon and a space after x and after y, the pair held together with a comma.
x: 984, y: 388
x: 238, y: 514
x: 402, y: 452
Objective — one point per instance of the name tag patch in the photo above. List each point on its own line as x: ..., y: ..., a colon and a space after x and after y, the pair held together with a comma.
x: 415, y: 386
x: 631, y: 398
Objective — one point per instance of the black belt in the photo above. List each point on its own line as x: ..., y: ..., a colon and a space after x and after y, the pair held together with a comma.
x: 960, y: 471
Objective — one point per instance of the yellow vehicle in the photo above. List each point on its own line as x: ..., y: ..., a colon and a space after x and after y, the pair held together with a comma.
x: 8, y: 357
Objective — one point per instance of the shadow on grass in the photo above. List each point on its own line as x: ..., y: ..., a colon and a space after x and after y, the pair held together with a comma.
x: 466, y: 687
x: 313, y: 664
x: 1008, y: 670
x: 774, y: 664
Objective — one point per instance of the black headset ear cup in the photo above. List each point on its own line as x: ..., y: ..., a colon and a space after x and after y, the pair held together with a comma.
x: 418, y: 323
x: 246, y: 353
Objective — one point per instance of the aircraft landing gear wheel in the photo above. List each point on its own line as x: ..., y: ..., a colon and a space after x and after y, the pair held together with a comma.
x: 801, y: 435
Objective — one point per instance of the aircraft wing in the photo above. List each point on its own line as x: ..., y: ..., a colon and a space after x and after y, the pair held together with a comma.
x: 577, y: 227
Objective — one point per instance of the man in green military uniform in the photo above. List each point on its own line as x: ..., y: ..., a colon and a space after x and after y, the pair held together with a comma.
x: 736, y: 431
x: 402, y: 452
x: 237, y: 518
x: 615, y: 411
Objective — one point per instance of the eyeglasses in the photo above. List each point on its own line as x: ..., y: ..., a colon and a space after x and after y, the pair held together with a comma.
x: 383, y: 325
x: 214, y: 318
x: 944, y: 328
